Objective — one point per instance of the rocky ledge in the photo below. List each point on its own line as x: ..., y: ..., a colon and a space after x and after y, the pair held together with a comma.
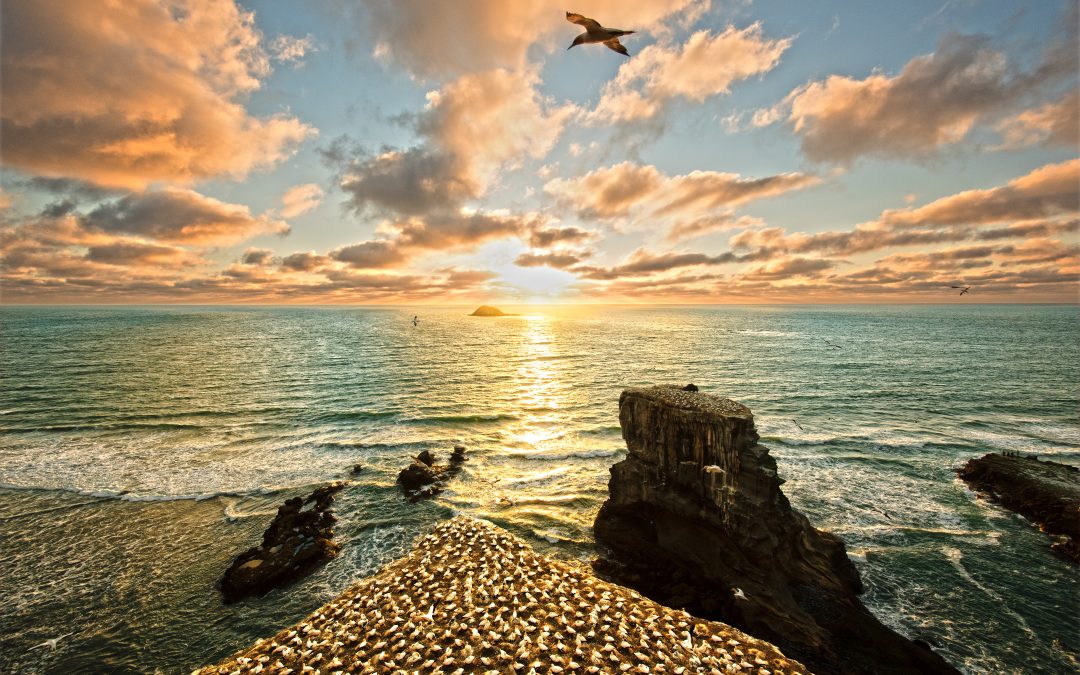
x: 471, y: 598
x: 299, y: 539
x: 696, y: 519
x: 1046, y: 493
x: 424, y: 477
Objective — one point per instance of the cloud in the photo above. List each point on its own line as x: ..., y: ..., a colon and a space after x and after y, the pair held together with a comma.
x: 433, y: 40
x: 129, y: 253
x: 257, y: 256
x: 935, y: 101
x: 471, y: 129
x: 300, y: 199
x: 696, y: 227
x: 629, y: 189
x: 305, y: 261
x: 556, y: 260
x: 643, y: 262
x: 290, y: 49
x: 706, y: 65
x: 436, y: 232
x: 1054, y: 123
x: 1048, y: 192
x: 546, y: 237
x: 138, y: 94
x: 181, y: 216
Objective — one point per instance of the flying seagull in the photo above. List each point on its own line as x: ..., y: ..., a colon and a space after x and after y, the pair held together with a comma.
x: 50, y: 644
x: 966, y: 289
x: 594, y: 32
x: 831, y: 344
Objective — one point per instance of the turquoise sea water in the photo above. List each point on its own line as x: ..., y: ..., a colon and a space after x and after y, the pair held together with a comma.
x: 142, y: 448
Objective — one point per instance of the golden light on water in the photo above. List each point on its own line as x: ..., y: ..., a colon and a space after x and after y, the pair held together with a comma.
x: 540, y: 397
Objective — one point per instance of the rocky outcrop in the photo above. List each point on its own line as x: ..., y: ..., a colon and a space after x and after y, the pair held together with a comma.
x: 696, y: 519
x: 425, y: 478
x: 1046, y: 493
x: 472, y: 598
x: 488, y: 310
x: 299, y: 539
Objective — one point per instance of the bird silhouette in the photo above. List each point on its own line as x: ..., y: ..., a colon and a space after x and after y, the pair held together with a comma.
x: 594, y: 32
x: 831, y: 344
x: 966, y: 289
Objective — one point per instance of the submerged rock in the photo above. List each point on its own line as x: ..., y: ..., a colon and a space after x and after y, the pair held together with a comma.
x: 487, y: 310
x: 425, y: 478
x: 298, y: 540
x: 472, y: 598
x: 696, y: 519
x: 1046, y: 493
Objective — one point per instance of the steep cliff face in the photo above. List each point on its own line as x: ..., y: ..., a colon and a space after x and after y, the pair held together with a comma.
x: 697, y: 519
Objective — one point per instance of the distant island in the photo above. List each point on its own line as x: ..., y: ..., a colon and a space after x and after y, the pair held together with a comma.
x: 487, y: 310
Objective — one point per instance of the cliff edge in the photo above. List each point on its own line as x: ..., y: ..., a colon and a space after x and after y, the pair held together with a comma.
x: 696, y: 519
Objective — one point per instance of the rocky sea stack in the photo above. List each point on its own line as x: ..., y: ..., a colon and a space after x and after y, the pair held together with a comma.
x: 1046, y: 493
x: 299, y: 539
x: 696, y: 519
x: 488, y: 310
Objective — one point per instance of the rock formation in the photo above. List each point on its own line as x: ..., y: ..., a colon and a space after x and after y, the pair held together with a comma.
x: 424, y: 478
x: 696, y: 519
x: 1046, y: 493
x: 471, y: 598
x: 488, y: 310
x: 298, y: 540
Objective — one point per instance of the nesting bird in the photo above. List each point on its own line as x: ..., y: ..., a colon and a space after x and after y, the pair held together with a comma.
x: 471, y: 598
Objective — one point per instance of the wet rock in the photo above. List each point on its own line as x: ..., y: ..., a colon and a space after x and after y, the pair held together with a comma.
x: 690, y: 387
x: 696, y: 519
x: 299, y: 540
x: 356, y: 469
x: 1046, y: 493
x: 425, y: 477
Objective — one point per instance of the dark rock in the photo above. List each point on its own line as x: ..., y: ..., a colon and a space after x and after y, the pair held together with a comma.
x: 1046, y: 493
x: 696, y: 519
x: 357, y: 468
x: 426, y: 457
x: 299, y: 540
x: 487, y: 310
x: 690, y: 387
x: 424, y: 478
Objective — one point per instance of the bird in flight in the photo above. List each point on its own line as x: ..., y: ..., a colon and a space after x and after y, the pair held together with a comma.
x: 966, y: 289
x: 50, y: 644
x: 594, y: 32
x: 831, y: 344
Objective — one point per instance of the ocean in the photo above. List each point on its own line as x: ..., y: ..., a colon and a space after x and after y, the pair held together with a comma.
x: 142, y: 448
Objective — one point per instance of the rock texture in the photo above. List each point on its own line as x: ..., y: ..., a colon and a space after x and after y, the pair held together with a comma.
x: 696, y: 519
x: 1046, y: 493
x: 471, y: 598
x: 425, y: 478
x: 299, y: 539
x: 487, y: 310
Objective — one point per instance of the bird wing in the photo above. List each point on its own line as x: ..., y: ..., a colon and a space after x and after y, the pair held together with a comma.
x: 955, y: 286
x: 585, y: 22
x: 617, y: 46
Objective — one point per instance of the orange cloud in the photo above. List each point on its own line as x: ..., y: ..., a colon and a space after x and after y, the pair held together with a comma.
x: 935, y: 100
x: 625, y: 189
x: 1054, y: 123
x: 137, y: 93
x: 181, y: 216
x: 299, y: 199
x: 706, y: 65
x: 448, y: 39
x: 472, y: 128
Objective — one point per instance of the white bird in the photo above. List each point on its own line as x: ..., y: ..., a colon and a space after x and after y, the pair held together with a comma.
x: 594, y: 32
x: 738, y: 593
x: 50, y: 644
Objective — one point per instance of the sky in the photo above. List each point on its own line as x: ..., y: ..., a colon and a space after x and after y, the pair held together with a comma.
x: 455, y: 152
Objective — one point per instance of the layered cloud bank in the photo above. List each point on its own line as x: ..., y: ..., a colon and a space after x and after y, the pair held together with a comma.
x: 138, y: 138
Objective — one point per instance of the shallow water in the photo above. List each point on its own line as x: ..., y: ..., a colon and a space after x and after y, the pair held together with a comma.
x: 141, y: 448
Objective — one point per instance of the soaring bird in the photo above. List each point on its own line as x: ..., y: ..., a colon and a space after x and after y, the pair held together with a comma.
x: 966, y: 289
x: 594, y: 32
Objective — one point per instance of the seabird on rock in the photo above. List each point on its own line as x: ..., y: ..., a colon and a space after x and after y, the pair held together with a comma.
x: 594, y: 32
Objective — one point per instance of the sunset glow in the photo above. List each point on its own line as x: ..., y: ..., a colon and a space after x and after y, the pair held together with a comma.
x: 215, y: 151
